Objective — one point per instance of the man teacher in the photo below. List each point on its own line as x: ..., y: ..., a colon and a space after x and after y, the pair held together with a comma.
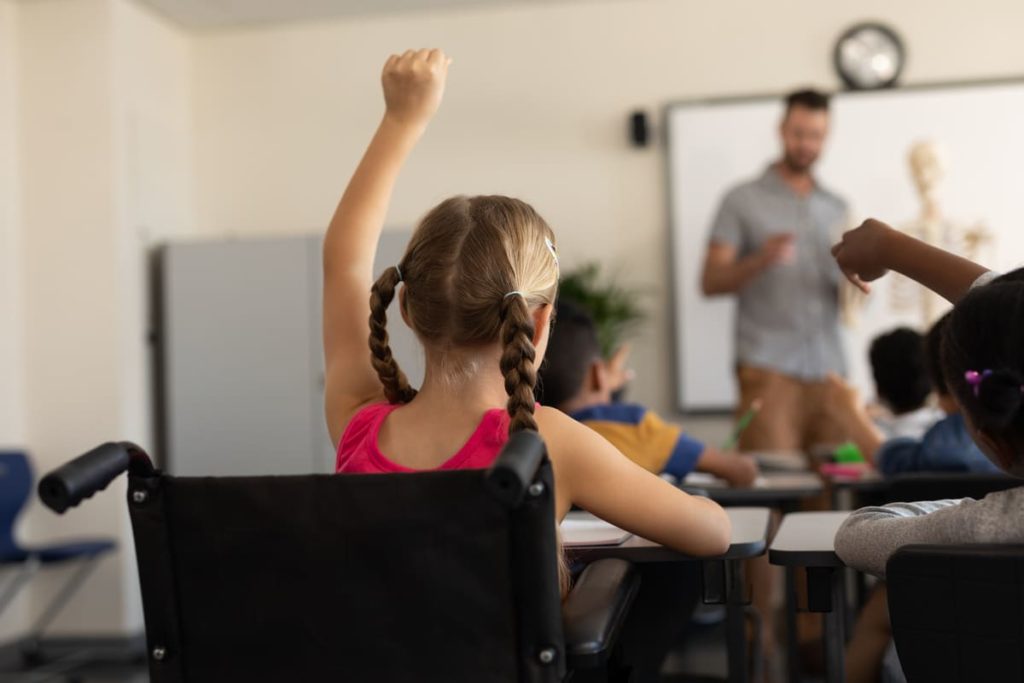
x: 770, y: 247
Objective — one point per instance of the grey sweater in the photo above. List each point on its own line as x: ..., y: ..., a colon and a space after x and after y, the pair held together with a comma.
x: 871, y: 535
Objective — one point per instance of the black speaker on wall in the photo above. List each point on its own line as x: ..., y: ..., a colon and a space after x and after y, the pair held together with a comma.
x: 639, y: 128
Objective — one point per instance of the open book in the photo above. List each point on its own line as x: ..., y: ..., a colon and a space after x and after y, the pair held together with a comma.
x: 583, y: 528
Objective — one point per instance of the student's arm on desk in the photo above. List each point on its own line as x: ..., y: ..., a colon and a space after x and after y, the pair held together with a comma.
x: 689, y: 455
x: 870, y: 536
x: 593, y: 474
x: 739, y: 470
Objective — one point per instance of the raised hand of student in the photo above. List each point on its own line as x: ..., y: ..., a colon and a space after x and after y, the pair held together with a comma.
x: 619, y: 374
x: 868, y: 252
x: 861, y: 254
x: 414, y: 85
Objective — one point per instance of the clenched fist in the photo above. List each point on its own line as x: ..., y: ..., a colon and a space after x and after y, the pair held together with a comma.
x: 414, y: 85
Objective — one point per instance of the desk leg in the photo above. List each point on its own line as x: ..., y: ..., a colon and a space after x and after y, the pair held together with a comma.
x: 826, y: 594
x: 835, y: 629
x: 792, y: 645
x: 736, y: 639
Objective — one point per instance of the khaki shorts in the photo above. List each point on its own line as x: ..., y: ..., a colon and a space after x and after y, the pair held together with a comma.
x: 792, y: 415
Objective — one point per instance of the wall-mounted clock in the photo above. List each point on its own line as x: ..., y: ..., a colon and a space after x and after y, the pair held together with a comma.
x: 869, y: 56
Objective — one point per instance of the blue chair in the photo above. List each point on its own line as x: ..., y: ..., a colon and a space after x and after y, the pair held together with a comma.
x: 15, y: 488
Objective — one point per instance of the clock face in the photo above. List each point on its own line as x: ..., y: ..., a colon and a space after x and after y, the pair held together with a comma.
x: 869, y: 56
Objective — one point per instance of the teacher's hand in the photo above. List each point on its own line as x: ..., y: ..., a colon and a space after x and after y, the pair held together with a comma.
x: 779, y: 249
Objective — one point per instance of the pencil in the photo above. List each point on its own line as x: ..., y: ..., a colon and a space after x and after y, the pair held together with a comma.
x: 742, y: 424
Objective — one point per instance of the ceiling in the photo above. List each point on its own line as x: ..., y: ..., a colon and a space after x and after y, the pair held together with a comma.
x: 220, y: 13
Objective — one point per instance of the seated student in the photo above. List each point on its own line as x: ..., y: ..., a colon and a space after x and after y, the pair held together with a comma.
x: 982, y: 361
x: 579, y: 382
x: 945, y: 447
x: 477, y: 284
x: 902, y: 384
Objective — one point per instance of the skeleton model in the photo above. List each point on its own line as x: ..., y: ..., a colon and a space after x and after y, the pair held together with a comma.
x: 928, y: 168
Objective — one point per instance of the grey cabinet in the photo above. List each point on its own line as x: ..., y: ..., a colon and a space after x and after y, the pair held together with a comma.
x: 239, y: 356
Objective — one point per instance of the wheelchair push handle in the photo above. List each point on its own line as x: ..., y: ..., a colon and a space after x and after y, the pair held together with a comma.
x: 78, y: 479
x: 515, y: 468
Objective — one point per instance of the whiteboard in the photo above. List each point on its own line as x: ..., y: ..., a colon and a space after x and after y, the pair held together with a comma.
x: 714, y: 145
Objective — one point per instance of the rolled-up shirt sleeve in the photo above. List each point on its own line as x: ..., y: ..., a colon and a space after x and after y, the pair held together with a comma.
x: 728, y: 225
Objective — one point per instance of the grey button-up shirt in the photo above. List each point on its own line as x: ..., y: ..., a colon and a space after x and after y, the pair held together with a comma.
x: 788, y: 316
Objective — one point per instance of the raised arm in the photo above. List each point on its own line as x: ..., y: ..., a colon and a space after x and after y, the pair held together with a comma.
x: 413, y: 86
x: 869, y: 251
x: 591, y: 473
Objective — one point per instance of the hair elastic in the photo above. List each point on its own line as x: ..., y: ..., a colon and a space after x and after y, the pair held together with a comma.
x: 975, y: 378
x: 551, y: 248
x: 515, y: 292
x: 399, y: 271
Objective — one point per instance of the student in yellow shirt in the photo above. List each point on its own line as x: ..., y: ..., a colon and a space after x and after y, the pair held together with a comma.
x: 578, y: 381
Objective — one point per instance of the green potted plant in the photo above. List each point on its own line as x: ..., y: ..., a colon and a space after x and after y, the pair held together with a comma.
x: 616, y: 310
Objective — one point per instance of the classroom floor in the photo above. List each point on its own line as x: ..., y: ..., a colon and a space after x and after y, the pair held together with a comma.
x: 72, y: 663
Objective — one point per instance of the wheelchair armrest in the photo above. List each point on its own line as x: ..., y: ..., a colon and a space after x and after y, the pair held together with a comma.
x: 596, y: 609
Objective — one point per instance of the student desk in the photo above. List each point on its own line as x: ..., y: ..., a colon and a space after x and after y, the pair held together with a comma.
x: 722, y: 575
x: 773, y: 489
x: 807, y: 539
x: 848, y: 491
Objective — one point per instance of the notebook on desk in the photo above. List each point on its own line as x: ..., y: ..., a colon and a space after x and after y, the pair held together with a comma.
x: 709, y: 481
x: 780, y: 461
x: 583, y: 528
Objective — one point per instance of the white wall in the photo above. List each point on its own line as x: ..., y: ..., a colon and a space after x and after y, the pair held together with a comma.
x: 12, y: 425
x: 11, y: 418
x: 536, y: 107
x: 72, y: 367
x: 104, y: 132
x: 154, y: 178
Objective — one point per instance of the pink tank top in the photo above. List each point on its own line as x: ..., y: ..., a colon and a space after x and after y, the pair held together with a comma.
x: 358, y: 451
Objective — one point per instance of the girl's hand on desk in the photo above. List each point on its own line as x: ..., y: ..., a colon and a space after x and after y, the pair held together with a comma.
x: 414, y: 86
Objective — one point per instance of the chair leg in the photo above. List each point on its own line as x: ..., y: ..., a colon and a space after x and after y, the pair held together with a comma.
x: 756, y: 661
x: 13, y: 587
x: 32, y: 641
